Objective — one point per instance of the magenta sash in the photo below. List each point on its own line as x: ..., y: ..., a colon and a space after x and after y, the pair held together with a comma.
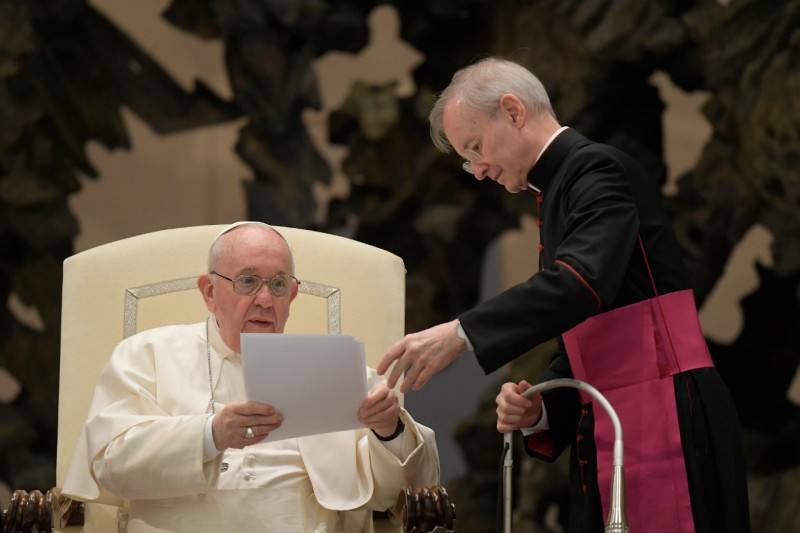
x: 630, y: 355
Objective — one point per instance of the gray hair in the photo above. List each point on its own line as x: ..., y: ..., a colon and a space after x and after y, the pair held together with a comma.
x: 218, y: 245
x: 481, y: 85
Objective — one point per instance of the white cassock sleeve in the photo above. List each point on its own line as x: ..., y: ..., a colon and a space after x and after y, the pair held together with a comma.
x: 351, y: 470
x: 136, y: 444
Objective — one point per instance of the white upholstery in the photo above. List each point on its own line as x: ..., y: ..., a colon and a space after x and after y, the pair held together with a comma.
x: 369, y: 284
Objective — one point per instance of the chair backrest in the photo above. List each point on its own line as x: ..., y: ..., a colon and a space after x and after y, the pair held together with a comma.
x: 120, y: 288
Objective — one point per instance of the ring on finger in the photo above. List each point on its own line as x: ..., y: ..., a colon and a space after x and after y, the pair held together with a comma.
x: 248, y: 433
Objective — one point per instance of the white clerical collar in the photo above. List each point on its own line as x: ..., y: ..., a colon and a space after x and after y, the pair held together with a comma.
x: 550, y: 140
x: 215, y: 339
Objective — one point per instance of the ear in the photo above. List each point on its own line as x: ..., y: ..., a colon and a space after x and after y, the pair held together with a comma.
x: 207, y: 289
x: 295, y: 289
x: 514, y: 109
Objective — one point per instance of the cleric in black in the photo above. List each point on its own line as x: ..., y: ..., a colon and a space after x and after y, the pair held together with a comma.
x: 611, y: 285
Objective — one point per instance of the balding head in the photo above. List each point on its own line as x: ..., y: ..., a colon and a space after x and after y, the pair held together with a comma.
x: 220, y: 245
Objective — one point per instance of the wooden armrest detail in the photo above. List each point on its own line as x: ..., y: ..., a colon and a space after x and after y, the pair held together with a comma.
x: 422, y: 510
x: 34, y: 511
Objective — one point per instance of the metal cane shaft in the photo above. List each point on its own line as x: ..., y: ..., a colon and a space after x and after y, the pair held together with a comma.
x: 508, y: 463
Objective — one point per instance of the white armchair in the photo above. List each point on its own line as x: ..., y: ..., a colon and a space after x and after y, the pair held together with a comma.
x: 115, y: 290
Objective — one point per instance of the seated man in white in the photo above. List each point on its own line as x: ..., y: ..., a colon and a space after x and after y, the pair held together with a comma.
x: 170, y: 431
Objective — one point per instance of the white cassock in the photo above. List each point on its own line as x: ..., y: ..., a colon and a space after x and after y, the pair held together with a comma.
x: 142, y: 445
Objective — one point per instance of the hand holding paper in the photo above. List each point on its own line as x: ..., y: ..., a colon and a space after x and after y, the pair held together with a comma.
x: 230, y: 424
x: 317, y: 382
x: 380, y: 411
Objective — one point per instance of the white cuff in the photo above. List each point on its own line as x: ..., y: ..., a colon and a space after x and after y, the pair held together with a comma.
x: 210, y: 450
x: 401, y: 446
x: 463, y: 335
x: 542, y: 425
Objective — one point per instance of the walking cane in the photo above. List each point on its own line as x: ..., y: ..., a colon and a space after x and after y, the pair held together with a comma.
x: 617, y: 522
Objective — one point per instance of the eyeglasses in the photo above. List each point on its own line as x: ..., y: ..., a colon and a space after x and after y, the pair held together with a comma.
x: 472, y: 158
x: 473, y: 155
x: 248, y: 284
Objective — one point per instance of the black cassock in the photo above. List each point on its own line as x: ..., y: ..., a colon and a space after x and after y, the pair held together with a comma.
x: 594, y: 204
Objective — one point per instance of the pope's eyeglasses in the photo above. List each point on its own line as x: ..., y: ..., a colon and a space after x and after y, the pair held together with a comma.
x: 248, y: 284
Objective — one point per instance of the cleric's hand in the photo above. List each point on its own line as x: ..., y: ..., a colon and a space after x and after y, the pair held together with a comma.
x: 229, y: 426
x: 422, y: 354
x: 380, y: 411
x: 514, y: 411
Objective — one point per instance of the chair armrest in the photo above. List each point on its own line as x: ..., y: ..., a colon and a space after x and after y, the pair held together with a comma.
x: 422, y: 510
x: 34, y: 511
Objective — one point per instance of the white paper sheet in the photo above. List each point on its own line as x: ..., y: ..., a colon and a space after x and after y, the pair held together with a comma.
x: 317, y: 382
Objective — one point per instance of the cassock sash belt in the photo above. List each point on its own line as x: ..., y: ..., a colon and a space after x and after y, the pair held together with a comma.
x: 630, y: 354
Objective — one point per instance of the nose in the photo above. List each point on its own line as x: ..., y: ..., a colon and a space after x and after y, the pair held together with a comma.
x: 263, y: 296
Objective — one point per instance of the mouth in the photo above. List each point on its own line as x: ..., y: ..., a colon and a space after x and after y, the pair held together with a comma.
x: 259, y: 324
x: 496, y: 179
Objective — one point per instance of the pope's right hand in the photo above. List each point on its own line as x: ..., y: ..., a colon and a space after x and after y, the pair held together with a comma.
x: 230, y: 425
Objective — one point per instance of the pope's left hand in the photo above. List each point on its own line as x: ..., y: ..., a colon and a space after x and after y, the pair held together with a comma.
x: 380, y: 411
x: 422, y: 355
